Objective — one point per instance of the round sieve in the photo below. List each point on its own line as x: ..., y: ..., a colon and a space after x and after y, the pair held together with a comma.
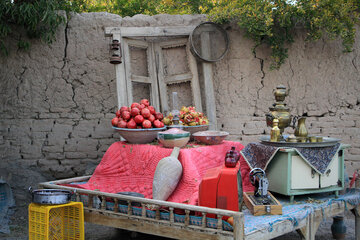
x: 209, y: 42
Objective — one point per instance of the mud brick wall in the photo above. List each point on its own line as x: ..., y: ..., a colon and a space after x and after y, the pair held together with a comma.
x: 57, y: 101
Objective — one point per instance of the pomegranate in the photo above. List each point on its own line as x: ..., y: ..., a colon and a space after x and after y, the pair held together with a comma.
x: 131, y: 124
x: 152, y: 110
x: 146, y: 124
x: 139, y: 119
x: 134, y: 111
x: 146, y: 113
x: 145, y: 102
x: 118, y: 113
x: 115, y: 121
x: 124, y: 108
x: 157, y: 123
x: 151, y: 118
x: 141, y: 107
x: 135, y: 105
x: 159, y: 116
x: 125, y: 115
x: 122, y: 124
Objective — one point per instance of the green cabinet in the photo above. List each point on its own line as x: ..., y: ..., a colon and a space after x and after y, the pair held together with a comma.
x: 289, y: 174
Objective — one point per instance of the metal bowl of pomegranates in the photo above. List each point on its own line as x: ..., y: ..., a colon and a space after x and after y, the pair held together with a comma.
x: 139, y: 136
x: 210, y: 137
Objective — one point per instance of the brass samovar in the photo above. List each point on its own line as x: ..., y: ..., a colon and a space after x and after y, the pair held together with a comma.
x: 279, y: 110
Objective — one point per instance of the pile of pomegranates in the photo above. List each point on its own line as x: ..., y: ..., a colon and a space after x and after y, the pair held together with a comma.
x: 138, y: 115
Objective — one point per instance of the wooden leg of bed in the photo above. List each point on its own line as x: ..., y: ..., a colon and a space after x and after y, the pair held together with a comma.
x: 356, y: 212
x: 312, y: 224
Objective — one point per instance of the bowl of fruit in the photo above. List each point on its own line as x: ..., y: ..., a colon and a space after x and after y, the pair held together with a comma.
x: 189, y: 120
x: 138, y: 123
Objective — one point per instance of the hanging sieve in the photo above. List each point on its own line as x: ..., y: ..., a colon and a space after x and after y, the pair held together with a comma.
x: 209, y: 42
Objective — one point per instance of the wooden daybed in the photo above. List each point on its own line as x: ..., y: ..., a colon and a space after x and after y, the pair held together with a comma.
x: 106, y: 212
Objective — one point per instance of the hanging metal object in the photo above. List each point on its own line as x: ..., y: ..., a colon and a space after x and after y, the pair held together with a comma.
x: 115, y: 45
x: 209, y: 42
x: 115, y: 51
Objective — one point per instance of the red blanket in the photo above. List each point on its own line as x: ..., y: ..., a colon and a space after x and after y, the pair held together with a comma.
x: 131, y: 167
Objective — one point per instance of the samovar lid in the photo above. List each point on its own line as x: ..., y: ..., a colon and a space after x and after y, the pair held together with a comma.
x: 279, y: 107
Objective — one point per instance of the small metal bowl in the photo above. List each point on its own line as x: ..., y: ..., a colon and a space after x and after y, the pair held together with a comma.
x: 210, y: 137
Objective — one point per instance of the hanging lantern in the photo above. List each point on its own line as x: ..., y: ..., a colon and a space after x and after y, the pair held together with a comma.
x: 115, y: 51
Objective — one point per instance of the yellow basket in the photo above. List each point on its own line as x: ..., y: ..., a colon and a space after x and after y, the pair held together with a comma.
x: 56, y: 222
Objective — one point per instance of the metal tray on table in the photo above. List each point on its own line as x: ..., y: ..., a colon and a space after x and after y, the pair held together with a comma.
x: 327, y: 142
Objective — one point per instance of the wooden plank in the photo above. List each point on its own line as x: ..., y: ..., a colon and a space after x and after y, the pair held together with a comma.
x: 150, y: 31
x: 161, y: 79
x: 278, y: 229
x: 195, y: 85
x: 154, y: 227
x: 140, y: 79
x: 356, y: 212
x: 137, y: 43
x: 178, y: 42
x: 121, y: 78
x: 127, y: 62
x: 179, y: 78
x: 208, y: 82
x: 239, y: 230
x: 153, y: 75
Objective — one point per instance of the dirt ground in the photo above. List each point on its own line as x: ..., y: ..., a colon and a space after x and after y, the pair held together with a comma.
x: 19, y: 230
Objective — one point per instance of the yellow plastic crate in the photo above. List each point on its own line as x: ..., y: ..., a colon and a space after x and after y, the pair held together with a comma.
x: 56, y: 222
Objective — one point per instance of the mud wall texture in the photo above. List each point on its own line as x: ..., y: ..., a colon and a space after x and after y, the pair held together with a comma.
x: 57, y: 101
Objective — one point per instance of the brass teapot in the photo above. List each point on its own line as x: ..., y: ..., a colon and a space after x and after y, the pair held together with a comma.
x: 279, y: 110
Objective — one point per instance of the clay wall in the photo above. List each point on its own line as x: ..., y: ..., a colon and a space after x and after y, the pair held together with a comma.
x: 57, y: 101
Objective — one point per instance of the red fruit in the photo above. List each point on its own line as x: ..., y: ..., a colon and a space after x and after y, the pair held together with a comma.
x: 134, y: 111
x: 157, y: 123
x: 135, y: 105
x: 151, y: 118
x: 146, y: 124
x: 159, y: 116
x: 145, y: 102
x: 115, y: 121
x: 152, y: 110
x: 139, y: 119
x: 139, y: 127
x: 146, y: 113
x: 123, y: 108
x: 122, y: 124
x: 162, y: 124
x: 125, y: 115
x: 131, y: 124
x: 141, y: 107
x: 118, y: 113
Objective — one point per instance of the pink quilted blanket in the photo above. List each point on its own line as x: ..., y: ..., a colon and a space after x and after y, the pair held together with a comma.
x: 131, y: 167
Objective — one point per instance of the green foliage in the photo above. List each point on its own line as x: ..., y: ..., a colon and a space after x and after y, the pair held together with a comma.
x: 272, y: 22
x: 39, y: 19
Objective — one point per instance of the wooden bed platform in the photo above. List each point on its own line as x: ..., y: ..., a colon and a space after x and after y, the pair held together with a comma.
x: 99, y: 212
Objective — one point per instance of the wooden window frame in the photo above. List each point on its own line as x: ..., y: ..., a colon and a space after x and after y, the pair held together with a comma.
x: 124, y: 87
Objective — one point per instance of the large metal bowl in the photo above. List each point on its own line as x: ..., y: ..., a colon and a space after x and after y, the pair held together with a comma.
x: 139, y: 136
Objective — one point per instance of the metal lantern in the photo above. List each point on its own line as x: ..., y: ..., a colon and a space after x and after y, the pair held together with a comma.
x: 115, y: 50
